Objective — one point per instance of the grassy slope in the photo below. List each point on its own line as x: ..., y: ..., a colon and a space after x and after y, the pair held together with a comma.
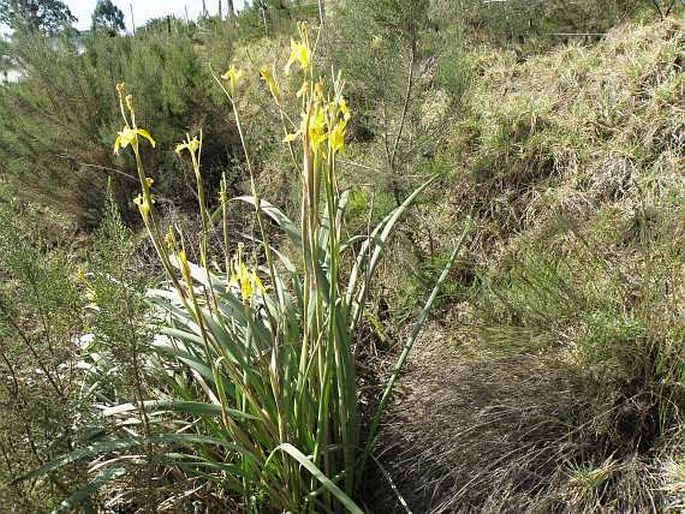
x: 552, y: 379
x: 554, y: 383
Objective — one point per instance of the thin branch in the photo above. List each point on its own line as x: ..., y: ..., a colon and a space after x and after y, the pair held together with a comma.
x: 405, y: 107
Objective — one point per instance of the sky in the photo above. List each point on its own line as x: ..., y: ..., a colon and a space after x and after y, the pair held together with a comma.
x: 144, y: 10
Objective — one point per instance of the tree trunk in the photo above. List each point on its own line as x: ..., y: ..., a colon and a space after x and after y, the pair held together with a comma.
x: 262, y: 10
x: 322, y: 12
x: 231, y: 10
x: 133, y: 20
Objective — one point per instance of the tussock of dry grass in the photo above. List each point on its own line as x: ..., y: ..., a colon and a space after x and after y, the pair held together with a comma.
x: 569, y: 132
x: 483, y: 436
x: 567, y: 401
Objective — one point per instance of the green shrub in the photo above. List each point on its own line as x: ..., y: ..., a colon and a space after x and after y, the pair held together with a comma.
x: 40, y: 316
x: 390, y: 82
x: 56, y: 146
x: 617, y: 323
x: 273, y: 18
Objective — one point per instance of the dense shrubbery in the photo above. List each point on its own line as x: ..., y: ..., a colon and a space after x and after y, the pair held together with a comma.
x: 39, y: 318
x: 569, y: 162
x: 55, y: 147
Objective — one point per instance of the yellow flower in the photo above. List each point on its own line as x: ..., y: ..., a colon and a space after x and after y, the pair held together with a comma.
x: 185, y: 267
x: 257, y: 282
x: 339, y: 106
x: 337, y: 137
x: 233, y: 75
x: 268, y: 77
x: 316, y: 131
x: 299, y: 53
x: 143, y: 205
x: 121, y: 87
x: 244, y: 281
x: 149, y: 181
x: 128, y: 136
x: 191, y: 145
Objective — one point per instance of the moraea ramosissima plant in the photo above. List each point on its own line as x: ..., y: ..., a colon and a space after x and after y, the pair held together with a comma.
x: 261, y: 389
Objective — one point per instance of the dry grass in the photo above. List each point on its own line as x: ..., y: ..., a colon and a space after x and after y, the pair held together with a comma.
x: 510, y: 434
x: 576, y: 154
x: 570, y: 132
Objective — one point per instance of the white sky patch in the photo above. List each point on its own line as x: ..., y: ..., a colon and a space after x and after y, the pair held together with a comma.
x: 144, y: 10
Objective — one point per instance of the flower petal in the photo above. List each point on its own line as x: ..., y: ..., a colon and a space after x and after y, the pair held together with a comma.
x: 144, y: 133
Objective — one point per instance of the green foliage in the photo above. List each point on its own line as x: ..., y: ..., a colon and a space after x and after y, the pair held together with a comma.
x: 606, y: 313
x: 254, y: 386
x: 57, y: 146
x: 45, y: 16
x: 39, y: 316
x: 117, y: 312
x: 108, y: 17
x: 57, y: 359
x: 567, y: 158
x: 271, y: 18
x: 396, y: 33
x: 537, y: 25
x: 407, y: 81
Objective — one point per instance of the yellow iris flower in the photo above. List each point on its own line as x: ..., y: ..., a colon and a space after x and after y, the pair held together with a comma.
x: 337, y: 137
x: 128, y: 136
x: 268, y: 77
x: 233, y: 75
x: 191, y: 145
x: 299, y: 53
x: 246, y: 282
x: 317, y: 128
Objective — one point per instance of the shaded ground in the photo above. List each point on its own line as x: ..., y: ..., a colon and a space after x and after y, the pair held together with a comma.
x: 499, y: 434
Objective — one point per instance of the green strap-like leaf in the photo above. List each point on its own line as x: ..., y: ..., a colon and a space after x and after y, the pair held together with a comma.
x: 87, y: 491
x: 366, y: 268
x: 277, y: 215
x: 112, y: 445
x: 197, y: 408
x: 318, y: 474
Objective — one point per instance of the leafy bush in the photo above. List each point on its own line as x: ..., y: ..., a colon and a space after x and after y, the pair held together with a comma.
x: 39, y: 316
x: 390, y: 85
x: 55, y: 146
